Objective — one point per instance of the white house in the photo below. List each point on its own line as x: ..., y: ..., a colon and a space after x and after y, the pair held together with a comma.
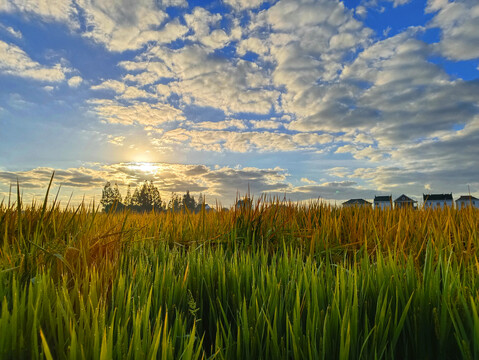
x: 435, y: 201
x: 404, y: 202
x: 383, y: 202
x: 467, y: 200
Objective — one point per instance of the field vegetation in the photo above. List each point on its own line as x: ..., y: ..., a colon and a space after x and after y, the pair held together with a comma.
x: 270, y: 280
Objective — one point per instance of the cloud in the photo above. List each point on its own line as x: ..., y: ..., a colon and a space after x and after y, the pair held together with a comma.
x: 11, y: 31
x: 244, y: 4
x: 39, y: 177
x: 219, y: 125
x: 75, y: 81
x: 15, y: 62
x: 123, y: 91
x: 266, y: 124
x: 241, y: 141
x: 51, y: 10
x: 458, y: 21
x: 116, y: 140
x: 136, y: 112
x: 204, y: 79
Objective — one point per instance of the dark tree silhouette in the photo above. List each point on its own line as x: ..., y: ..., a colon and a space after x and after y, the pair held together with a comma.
x: 110, y: 196
x: 189, y: 201
x: 147, y: 197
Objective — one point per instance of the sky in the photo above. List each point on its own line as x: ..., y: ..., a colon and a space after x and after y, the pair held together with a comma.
x: 308, y: 99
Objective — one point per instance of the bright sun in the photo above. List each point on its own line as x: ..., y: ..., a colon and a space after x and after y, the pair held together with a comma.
x: 145, y: 167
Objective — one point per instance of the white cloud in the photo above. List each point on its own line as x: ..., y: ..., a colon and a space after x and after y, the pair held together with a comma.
x: 204, y: 79
x: 116, y: 140
x: 307, y: 181
x: 458, y: 21
x: 220, y: 125
x: 266, y: 124
x: 14, y: 61
x: 252, y: 44
x: 244, y: 4
x: 75, y: 81
x: 123, y: 91
x: 137, y: 112
x: 15, y: 33
x: 51, y: 10
x: 109, y: 23
x: 241, y: 141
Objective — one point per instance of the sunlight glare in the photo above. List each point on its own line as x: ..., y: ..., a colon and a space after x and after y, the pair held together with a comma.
x: 144, y: 167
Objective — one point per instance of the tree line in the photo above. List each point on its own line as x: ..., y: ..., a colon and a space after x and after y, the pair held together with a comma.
x: 146, y: 197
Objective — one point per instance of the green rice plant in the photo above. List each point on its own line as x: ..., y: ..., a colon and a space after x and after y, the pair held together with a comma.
x: 270, y: 279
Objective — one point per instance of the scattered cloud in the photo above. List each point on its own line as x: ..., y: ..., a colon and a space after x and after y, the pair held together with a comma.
x: 75, y: 81
x: 116, y: 140
x: 135, y: 112
x: 15, y: 62
x: 11, y: 31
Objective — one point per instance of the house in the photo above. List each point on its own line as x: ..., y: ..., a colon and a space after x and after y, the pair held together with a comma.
x: 404, y: 201
x: 383, y: 202
x: 467, y: 200
x: 435, y: 201
x: 356, y: 202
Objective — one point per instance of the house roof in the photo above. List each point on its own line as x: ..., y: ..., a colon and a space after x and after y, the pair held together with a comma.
x: 356, y: 201
x: 404, y: 198
x: 433, y: 197
x: 467, y: 197
x: 383, y: 198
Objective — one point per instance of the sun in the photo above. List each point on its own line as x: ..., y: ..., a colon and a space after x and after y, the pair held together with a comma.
x: 144, y: 167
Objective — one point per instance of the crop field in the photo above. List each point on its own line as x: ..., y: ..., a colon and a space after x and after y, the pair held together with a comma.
x: 273, y: 280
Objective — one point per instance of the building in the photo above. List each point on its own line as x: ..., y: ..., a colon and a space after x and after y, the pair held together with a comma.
x: 435, y: 201
x: 356, y: 202
x: 467, y: 200
x: 383, y: 202
x: 404, y: 201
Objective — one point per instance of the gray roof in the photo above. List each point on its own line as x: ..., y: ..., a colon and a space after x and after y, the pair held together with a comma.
x: 383, y: 198
x: 356, y: 201
x: 437, y: 197
x: 467, y: 198
x: 405, y: 199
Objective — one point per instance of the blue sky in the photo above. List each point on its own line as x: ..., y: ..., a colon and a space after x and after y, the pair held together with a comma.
x: 327, y: 98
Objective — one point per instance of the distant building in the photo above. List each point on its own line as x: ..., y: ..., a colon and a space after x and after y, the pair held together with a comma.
x: 356, y: 202
x: 404, y: 201
x: 467, y: 200
x: 383, y: 202
x: 435, y: 201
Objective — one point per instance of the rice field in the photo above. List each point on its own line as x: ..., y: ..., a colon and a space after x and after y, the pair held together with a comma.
x: 274, y: 280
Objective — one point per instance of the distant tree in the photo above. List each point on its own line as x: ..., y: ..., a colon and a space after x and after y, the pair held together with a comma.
x: 155, y: 197
x: 116, y: 194
x: 135, y: 199
x: 110, y: 196
x: 107, y: 196
x: 175, y: 202
x: 201, y: 201
x: 189, y: 201
x: 127, y: 201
